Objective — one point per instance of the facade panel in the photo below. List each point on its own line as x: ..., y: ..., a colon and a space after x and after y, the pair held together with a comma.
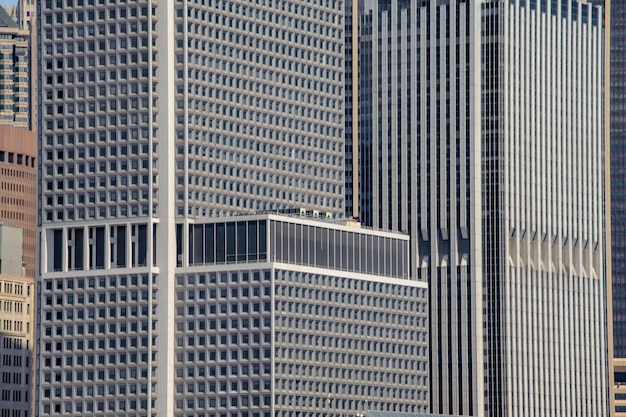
x: 482, y: 125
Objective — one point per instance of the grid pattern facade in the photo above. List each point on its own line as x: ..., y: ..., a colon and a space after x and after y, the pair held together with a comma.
x: 17, y: 325
x: 503, y: 203
x: 15, y: 85
x: 97, y: 345
x: 224, y: 343
x: 255, y: 342
x: 348, y: 342
x: 259, y: 106
x: 97, y: 132
x: 234, y: 306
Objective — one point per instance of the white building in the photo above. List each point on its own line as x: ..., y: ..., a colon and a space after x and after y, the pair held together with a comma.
x: 155, y: 116
x: 482, y: 135
x: 264, y: 315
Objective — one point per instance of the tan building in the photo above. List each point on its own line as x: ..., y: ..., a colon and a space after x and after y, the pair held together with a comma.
x: 17, y: 324
x: 26, y: 18
x: 15, y: 74
x: 18, y: 187
x: 25, y: 14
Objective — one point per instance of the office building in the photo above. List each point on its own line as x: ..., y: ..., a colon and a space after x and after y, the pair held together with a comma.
x: 615, y: 16
x: 26, y: 18
x: 25, y: 14
x: 264, y: 315
x: 159, y: 119
x: 351, y: 116
x: 18, y: 188
x: 482, y: 135
x: 17, y: 319
x: 14, y: 73
x: 256, y: 117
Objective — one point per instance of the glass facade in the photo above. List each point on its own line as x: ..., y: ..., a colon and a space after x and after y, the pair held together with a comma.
x: 300, y: 243
x: 218, y: 243
x: 343, y: 250
x: 618, y: 175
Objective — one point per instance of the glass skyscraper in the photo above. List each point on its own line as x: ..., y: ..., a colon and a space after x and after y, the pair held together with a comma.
x: 482, y: 135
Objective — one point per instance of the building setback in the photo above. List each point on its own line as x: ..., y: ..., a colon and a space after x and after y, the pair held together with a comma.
x: 270, y: 315
x: 482, y: 135
x: 157, y: 118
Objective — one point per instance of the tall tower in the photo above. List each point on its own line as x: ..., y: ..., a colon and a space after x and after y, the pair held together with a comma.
x: 482, y: 134
x: 15, y: 61
x: 153, y: 116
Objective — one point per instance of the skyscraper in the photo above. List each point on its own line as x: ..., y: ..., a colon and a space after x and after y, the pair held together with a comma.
x: 158, y: 117
x: 25, y: 16
x: 15, y: 61
x: 256, y: 117
x: 482, y: 134
x: 616, y: 15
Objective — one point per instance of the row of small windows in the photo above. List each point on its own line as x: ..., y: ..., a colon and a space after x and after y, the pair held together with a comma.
x: 59, y: 347
x: 222, y: 402
x: 17, y: 158
x: 90, y: 14
x: 85, y: 32
x: 99, y: 282
x: 89, y: 406
x: 14, y: 326
x: 14, y: 288
x: 102, y: 121
x: 378, y: 288
x: 65, y: 152
x: 288, y: 16
x: 133, y: 311
x: 234, y: 386
x: 91, y: 328
x: 90, y: 298
x: 102, y: 212
x: 125, y: 90
x: 575, y: 7
x: 91, y: 391
x: 91, y: 361
x: 14, y: 306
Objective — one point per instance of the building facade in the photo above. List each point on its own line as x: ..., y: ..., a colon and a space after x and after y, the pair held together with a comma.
x: 17, y: 327
x: 26, y: 18
x: 253, y: 130
x: 482, y: 135
x: 15, y: 75
x: 615, y: 16
x: 18, y: 189
x: 25, y: 14
x: 137, y: 153
x: 267, y: 315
